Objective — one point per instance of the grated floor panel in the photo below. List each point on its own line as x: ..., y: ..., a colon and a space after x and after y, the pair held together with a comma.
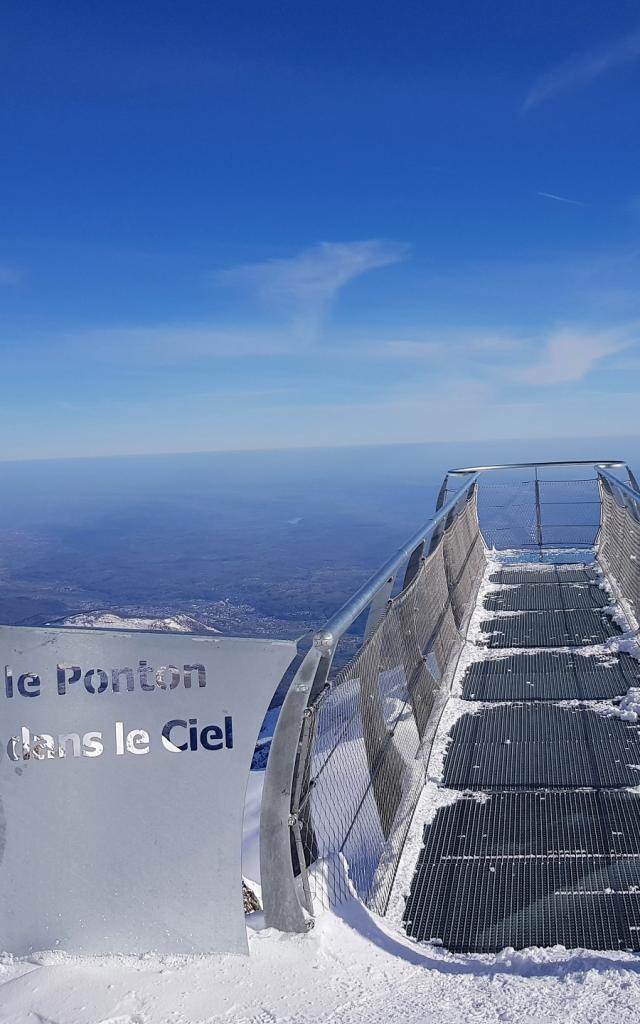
x: 481, y: 906
x: 545, y: 823
x: 572, y: 628
x: 541, y: 746
x: 543, y: 845
x: 550, y: 675
x: 530, y: 573
x: 546, y: 597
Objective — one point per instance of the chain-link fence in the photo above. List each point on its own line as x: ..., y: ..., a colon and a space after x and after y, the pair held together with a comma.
x: 360, y: 768
x: 619, y: 546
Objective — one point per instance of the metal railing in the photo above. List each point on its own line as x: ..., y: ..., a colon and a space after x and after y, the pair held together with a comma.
x: 539, y: 507
x: 348, y: 757
x: 619, y: 542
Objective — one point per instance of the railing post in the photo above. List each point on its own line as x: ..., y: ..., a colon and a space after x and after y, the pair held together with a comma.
x: 538, y: 514
x: 283, y: 908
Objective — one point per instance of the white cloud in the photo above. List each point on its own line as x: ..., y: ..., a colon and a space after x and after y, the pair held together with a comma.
x: 302, y: 287
x: 582, y: 69
x: 569, y: 354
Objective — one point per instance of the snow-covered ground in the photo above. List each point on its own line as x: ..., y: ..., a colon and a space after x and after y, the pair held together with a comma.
x: 110, y: 620
x: 353, y: 968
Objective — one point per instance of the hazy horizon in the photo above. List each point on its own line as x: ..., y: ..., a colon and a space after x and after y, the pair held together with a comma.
x: 267, y: 543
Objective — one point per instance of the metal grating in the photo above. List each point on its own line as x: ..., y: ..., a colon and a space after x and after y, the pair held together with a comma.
x: 486, y: 904
x: 544, y: 574
x: 550, y: 675
x: 546, y: 596
x: 541, y: 746
x: 549, y: 629
x: 534, y: 824
x: 543, y: 844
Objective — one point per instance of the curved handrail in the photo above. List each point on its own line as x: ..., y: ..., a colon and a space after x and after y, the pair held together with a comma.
x: 612, y: 464
x: 631, y: 492
x: 340, y: 621
x: 286, y: 900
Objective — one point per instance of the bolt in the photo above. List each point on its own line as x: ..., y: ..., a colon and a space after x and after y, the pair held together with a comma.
x: 324, y: 641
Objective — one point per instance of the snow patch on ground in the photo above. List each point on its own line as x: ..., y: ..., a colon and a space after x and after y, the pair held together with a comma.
x: 351, y: 969
x: 109, y: 620
x: 627, y: 707
x: 615, y: 613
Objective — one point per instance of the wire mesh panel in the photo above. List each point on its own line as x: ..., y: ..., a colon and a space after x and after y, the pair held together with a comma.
x: 536, y: 509
x: 507, y: 510
x: 361, y: 768
x: 619, y: 548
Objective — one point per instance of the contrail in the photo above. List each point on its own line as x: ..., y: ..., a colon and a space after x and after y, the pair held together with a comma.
x: 559, y: 199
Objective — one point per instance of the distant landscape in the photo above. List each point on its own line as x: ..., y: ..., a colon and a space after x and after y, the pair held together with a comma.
x: 264, y: 544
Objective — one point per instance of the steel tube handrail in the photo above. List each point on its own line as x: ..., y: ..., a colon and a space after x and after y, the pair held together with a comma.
x: 612, y: 464
x: 631, y: 492
x: 340, y: 621
x: 287, y: 899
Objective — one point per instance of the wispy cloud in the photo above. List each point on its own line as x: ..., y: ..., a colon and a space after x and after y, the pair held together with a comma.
x: 560, y: 199
x: 582, y: 69
x: 450, y: 343
x: 418, y: 351
x: 302, y: 287
x: 299, y: 290
x: 178, y: 343
x: 570, y: 354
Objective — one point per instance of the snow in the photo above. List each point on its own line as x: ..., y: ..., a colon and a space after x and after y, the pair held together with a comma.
x: 251, y: 832
x: 627, y: 707
x: 352, y: 968
x: 110, y: 620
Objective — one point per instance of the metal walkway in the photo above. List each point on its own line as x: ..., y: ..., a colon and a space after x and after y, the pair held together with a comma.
x: 544, y: 845
x: 537, y: 840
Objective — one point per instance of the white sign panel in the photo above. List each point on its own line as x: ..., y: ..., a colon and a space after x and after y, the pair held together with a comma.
x: 124, y: 759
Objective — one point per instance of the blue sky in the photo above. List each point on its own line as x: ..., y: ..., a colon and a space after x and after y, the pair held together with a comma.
x: 244, y: 225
